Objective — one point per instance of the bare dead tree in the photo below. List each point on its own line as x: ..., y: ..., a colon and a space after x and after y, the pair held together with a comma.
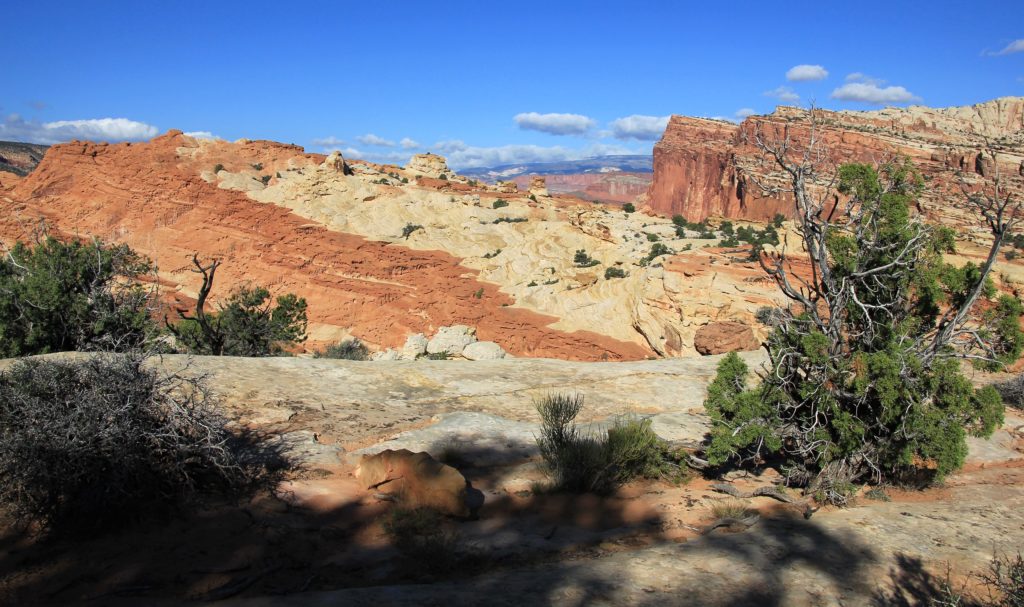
x: 213, y: 336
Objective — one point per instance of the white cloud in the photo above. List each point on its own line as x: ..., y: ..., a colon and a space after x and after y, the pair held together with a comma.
x: 328, y: 142
x: 639, y: 127
x: 202, y: 135
x: 744, y: 112
x: 555, y: 124
x: 784, y: 94
x: 409, y: 144
x: 1017, y: 46
x: 873, y: 92
x: 461, y: 155
x: 804, y: 72
x: 371, y: 139
x: 861, y: 77
x: 15, y: 128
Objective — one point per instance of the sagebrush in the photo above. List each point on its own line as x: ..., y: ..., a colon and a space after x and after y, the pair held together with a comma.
x: 104, y: 440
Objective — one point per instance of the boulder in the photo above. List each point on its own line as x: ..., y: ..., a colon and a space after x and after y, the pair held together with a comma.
x: 415, y: 346
x: 336, y: 162
x: 507, y: 187
x: 415, y: 480
x: 429, y: 165
x: 388, y: 354
x: 451, y: 340
x: 725, y: 336
x: 483, y: 350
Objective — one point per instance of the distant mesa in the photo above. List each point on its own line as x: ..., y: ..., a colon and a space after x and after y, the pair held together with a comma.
x: 20, y: 158
x: 615, y: 179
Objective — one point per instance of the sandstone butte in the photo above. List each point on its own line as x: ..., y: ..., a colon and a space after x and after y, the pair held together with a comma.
x: 710, y: 168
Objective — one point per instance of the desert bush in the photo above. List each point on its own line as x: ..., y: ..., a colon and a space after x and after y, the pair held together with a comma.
x: 613, y: 272
x: 657, y: 250
x: 583, y: 260
x: 217, y: 168
x: 864, y: 382
x: 349, y: 349
x: 579, y: 462
x: 98, y: 441
x: 499, y: 203
x: 1012, y: 391
x: 652, y: 237
x: 247, y: 324
x: 58, y: 296
x: 731, y: 508
x: 409, y: 229
x: 629, y: 207
x: 1005, y: 581
x: 510, y: 220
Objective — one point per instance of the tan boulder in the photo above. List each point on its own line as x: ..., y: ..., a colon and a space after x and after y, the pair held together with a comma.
x: 429, y: 165
x: 507, y: 187
x: 415, y: 480
x: 336, y: 162
x: 725, y: 336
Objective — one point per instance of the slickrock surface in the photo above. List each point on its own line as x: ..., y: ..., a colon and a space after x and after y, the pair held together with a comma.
x: 710, y: 168
x: 642, y: 546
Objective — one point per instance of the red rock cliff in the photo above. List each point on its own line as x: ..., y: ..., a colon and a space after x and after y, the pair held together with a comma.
x: 705, y: 168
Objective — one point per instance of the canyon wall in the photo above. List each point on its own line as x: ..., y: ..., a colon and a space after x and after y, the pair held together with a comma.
x: 612, y: 186
x: 711, y: 168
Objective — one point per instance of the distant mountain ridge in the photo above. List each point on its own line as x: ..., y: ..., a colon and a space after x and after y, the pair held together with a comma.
x: 20, y: 158
x: 599, y: 164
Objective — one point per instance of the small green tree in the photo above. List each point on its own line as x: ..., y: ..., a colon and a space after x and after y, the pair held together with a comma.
x: 863, y: 379
x: 70, y: 295
x: 629, y: 207
x: 246, y: 324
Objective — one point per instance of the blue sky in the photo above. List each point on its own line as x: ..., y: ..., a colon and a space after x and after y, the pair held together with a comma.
x: 482, y: 82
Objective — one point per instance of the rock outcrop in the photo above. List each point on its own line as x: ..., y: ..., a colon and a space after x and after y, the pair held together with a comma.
x: 723, y: 337
x: 538, y: 186
x: 415, y: 480
x: 451, y: 340
x: 483, y: 350
x: 705, y: 168
x: 428, y: 165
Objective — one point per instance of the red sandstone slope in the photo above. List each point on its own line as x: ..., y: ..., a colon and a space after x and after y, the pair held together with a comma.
x: 706, y: 168
x: 144, y: 195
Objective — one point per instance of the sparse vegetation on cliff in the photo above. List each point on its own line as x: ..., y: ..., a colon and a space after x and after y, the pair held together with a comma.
x: 583, y: 260
x: 349, y: 349
x: 409, y: 229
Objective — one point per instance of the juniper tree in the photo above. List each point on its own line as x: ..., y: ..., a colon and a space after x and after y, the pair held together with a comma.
x: 863, y: 381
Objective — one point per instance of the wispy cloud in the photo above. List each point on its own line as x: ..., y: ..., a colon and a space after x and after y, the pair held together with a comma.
x: 1017, y: 46
x: 744, y: 112
x: 202, y: 135
x: 409, y: 144
x: 805, y: 72
x: 784, y: 94
x: 15, y: 128
x: 329, y: 142
x: 866, y: 89
x: 374, y: 140
x: 461, y: 155
x: 555, y: 124
x: 639, y: 127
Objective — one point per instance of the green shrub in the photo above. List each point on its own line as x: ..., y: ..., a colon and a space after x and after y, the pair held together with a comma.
x: 679, y: 221
x: 581, y: 463
x: 657, y: 250
x: 728, y: 242
x: 246, y: 324
x: 349, y: 349
x: 57, y: 296
x: 479, y: 293
x: 409, y: 229
x: 777, y: 221
x: 492, y: 254
x: 510, y: 220
x: 726, y: 228
x: 614, y: 272
x: 437, y: 356
x: 100, y: 441
x: 217, y: 168
x: 652, y: 237
x: 258, y: 166
x: 265, y: 179
x: 499, y: 203
x: 583, y: 260
x: 869, y: 390
x: 629, y: 207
